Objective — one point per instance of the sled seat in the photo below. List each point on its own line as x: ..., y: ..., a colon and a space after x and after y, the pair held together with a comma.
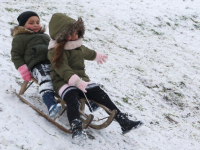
x: 87, y: 119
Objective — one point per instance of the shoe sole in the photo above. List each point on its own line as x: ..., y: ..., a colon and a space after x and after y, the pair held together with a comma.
x: 56, y: 112
x: 138, y: 126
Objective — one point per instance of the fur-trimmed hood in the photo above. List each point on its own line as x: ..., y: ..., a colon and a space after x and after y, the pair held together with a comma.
x: 61, y: 26
x: 70, y: 45
x: 20, y: 29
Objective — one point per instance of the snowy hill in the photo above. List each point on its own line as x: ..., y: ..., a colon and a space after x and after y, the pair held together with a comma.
x: 153, y: 74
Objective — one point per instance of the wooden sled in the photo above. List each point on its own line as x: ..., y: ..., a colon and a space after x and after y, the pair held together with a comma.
x: 87, y: 119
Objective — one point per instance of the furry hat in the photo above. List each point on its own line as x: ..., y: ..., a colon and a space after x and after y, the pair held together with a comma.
x: 61, y: 26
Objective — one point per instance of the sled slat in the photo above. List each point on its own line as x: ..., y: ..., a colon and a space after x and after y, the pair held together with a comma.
x: 43, y: 115
x: 106, y: 123
x: 23, y: 88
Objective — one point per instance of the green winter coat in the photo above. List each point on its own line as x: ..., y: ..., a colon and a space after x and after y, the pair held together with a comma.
x: 28, y: 47
x: 73, y: 60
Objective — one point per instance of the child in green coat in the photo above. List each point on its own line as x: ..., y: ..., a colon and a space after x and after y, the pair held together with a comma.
x: 67, y: 55
x: 29, y: 55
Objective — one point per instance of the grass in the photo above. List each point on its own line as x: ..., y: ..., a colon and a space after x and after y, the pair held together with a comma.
x: 12, y: 23
x: 158, y: 18
x: 174, y: 99
x: 116, y: 27
x: 168, y: 24
x: 125, y: 48
x: 156, y: 32
x: 169, y: 118
x: 97, y: 29
x: 138, y: 69
x: 183, y: 18
x: 125, y: 99
x: 87, y: 39
x: 5, y: 55
x: 194, y: 20
x: 197, y: 26
x: 51, y: 8
x: 179, y: 94
x: 43, y: 14
x: 12, y: 10
x: 176, y: 24
x: 118, y: 103
x: 140, y: 107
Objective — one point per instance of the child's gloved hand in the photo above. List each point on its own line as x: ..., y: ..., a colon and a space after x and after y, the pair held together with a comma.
x: 25, y: 73
x: 100, y: 58
x: 76, y: 81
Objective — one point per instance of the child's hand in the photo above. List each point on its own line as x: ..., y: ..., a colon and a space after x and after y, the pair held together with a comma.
x: 100, y: 58
x: 82, y: 85
x: 25, y: 73
x: 76, y: 81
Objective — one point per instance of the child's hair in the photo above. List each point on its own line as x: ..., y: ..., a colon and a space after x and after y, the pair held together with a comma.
x: 57, y: 59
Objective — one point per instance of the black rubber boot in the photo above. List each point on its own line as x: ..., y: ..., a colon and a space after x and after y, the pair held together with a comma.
x: 126, y: 124
x: 77, y: 131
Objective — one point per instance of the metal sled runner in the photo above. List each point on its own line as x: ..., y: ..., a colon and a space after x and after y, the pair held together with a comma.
x: 87, y: 119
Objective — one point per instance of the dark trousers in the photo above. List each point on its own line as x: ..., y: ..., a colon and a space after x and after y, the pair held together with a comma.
x: 72, y: 97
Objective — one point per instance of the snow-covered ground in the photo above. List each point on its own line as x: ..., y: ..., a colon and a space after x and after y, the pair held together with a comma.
x: 153, y: 74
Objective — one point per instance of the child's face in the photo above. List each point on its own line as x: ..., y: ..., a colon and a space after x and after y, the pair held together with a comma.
x: 33, y: 23
x: 73, y: 37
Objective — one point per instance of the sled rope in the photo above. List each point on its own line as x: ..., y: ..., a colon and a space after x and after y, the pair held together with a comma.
x: 29, y: 86
x: 100, y: 119
x: 92, y: 110
x: 88, y: 102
